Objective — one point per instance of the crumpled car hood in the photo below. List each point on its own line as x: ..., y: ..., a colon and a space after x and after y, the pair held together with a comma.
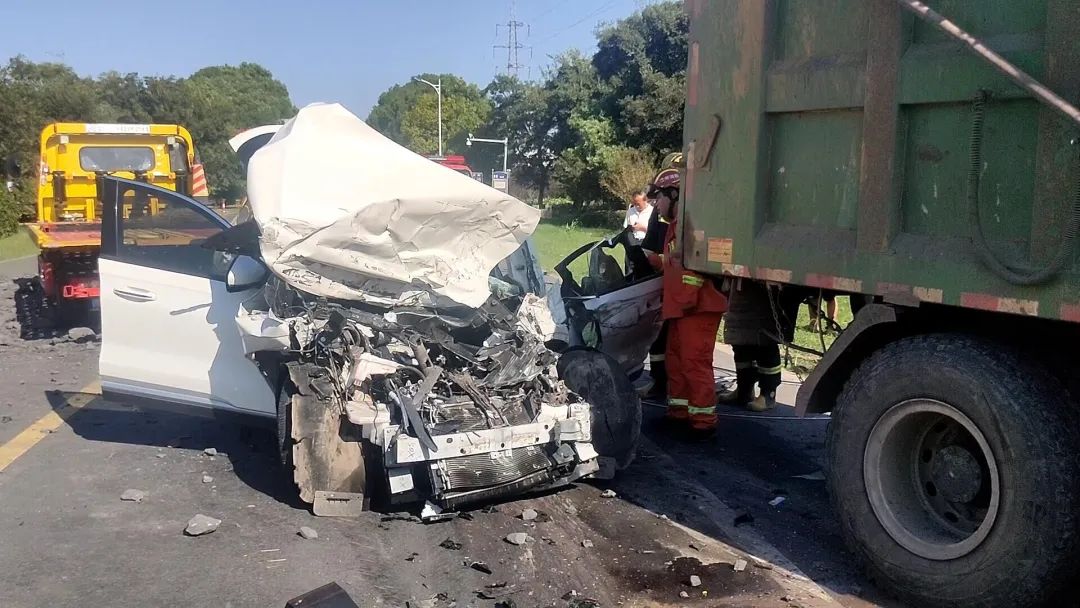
x: 346, y: 213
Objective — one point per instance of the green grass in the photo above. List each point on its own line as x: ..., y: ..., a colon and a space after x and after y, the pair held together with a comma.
x: 554, y: 242
x: 809, y: 337
x: 17, y: 245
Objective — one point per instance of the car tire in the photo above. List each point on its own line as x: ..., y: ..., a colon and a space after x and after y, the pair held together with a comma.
x: 616, y: 406
x: 953, y: 469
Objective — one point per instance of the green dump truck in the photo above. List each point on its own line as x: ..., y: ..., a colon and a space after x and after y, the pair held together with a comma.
x: 924, y: 160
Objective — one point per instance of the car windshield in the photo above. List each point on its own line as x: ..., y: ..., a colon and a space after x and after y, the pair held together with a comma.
x: 116, y: 158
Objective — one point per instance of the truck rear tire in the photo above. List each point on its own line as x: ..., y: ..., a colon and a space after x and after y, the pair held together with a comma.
x: 954, y: 469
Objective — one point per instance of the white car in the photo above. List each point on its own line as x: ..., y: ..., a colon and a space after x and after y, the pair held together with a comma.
x: 419, y: 375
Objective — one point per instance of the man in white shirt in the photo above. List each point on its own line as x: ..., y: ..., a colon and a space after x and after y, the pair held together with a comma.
x: 637, y: 217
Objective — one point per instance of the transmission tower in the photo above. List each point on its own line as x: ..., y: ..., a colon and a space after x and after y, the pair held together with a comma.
x: 513, y: 46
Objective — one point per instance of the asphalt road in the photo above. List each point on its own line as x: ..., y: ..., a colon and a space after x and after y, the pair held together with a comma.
x: 66, y: 538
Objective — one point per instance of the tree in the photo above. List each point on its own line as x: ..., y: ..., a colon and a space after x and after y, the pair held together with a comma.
x: 642, y: 62
x: 406, y: 113
x: 461, y: 115
x: 626, y: 172
x: 522, y: 112
x: 225, y: 100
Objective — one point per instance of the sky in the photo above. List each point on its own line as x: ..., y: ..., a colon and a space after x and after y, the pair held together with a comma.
x: 347, y: 51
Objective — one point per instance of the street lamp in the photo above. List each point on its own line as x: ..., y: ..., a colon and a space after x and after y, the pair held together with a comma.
x: 504, y: 141
x: 438, y: 91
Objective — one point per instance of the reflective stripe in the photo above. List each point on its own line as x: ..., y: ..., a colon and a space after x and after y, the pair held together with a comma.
x: 701, y: 410
x: 770, y: 371
x: 660, y: 357
x: 672, y: 402
x: 692, y: 280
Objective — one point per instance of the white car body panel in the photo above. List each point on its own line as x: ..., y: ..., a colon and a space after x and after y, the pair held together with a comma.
x: 177, y: 341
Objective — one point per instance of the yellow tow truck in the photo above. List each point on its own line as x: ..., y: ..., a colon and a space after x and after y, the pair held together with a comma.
x: 74, y: 158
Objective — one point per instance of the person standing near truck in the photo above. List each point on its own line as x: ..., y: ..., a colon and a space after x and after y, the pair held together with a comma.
x: 753, y: 318
x: 637, y: 217
x: 692, y: 310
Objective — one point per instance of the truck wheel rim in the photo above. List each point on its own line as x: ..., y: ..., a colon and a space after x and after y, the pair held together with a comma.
x: 931, y: 478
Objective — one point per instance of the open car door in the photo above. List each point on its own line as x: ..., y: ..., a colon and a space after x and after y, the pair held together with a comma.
x: 168, y: 317
x: 613, y: 307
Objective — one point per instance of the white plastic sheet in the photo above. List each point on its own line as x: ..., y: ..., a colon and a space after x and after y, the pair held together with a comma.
x: 347, y: 213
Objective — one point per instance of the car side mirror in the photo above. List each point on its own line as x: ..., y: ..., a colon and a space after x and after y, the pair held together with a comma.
x: 245, y: 273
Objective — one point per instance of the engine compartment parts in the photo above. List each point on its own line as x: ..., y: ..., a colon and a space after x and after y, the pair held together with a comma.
x: 447, y: 406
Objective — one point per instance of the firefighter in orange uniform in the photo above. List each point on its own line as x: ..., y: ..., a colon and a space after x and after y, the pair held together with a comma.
x: 693, y: 307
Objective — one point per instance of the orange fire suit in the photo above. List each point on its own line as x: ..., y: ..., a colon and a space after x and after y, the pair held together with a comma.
x: 693, y: 307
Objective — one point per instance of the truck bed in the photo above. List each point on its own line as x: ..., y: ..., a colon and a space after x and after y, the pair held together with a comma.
x: 830, y: 145
x: 63, y: 235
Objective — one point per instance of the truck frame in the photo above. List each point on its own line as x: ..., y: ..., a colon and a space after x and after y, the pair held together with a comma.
x: 911, y: 158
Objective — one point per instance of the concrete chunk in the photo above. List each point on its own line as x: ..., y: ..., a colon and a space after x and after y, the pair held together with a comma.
x: 207, y: 479
x: 201, y: 524
x: 517, y: 538
x: 529, y: 514
x: 695, y: 580
x: 308, y: 533
x: 210, y: 451
x: 133, y: 495
x: 740, y: 565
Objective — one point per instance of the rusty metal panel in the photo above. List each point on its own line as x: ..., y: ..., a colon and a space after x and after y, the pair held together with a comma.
x: 845, y: 150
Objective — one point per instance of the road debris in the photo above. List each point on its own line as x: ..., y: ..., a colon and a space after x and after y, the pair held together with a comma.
x: 548, y: 541
x: 608, y: 494
x: 529, y: 514
x: 308, y: 533
x: 160, y: 455
x: 684, y: 594
x: 133, y: 495
x: 695, y: 580
x: 663, y: 517
x: 739, y: 566
x: 80, y: 335
x: 451, y: 545
x: 815, y: 476
x: 695, y: 547
x: 480, y: 567
x: 517, y: 538
x: 201, y: 524
x: 207, y: 479
x: 776, y: 502
x: 761, y: 564
x: 489, y: 593
x: 210, y: 451
x: 412, y: 556
x: 587, y: 544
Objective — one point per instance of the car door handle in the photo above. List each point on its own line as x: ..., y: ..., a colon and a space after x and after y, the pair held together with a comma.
x: 134, y: 293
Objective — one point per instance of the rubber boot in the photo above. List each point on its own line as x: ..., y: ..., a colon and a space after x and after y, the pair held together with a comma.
x: 763, y: 403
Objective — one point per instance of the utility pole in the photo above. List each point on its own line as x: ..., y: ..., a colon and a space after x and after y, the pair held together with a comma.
x: 438, y: 91
x: 513, y: 46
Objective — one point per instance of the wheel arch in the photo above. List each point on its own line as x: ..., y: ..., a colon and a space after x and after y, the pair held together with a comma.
x: 877, y: 325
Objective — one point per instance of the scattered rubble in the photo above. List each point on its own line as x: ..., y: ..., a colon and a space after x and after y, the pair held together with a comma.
x: 480, y: 567
x: 308, y: 533
x: 517, y: 538
x: 201, y: 524
x: 133, y: 495
x: 81, y: 335
x: 451, y: 545
x: 608, y: 494
x: 587, y: 544
x: 777, y: 501
x: 207, y: 479
x: 529, y: 514
x: 739, y: 566
x: 210, y: 451
x: 412, y: 556
x: 695, y: 580
x: 684, y: 594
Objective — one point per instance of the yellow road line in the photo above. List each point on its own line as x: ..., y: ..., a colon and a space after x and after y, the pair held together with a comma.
x: 31, y: 435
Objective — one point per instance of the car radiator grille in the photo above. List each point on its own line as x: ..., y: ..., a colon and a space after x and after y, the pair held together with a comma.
x: 483, y: 470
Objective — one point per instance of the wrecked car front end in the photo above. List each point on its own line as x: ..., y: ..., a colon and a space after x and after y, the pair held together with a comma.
x: 418, y: 360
